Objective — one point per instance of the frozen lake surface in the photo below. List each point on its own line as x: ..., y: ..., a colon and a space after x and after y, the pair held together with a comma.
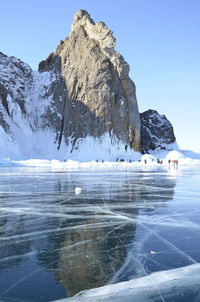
x: 62, y: 232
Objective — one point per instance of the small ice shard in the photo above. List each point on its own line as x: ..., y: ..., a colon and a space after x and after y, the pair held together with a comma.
x: 78, y: 190
x: 152, y: 252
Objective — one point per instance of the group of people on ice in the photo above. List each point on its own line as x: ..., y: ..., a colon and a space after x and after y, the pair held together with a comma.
x: 170, y: 161
x: 173, y: 161
x: 146, y: 161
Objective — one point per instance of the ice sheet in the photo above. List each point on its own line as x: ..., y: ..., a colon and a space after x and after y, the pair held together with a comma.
x: 128, y: 226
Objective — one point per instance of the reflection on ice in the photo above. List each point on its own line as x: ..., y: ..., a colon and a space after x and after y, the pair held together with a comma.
x: 123, y: 226
x: 95, y: 255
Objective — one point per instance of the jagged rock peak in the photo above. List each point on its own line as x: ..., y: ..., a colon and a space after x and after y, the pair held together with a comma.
x: 103, y: 36
x: 97, y: 84
x: 98, y: 31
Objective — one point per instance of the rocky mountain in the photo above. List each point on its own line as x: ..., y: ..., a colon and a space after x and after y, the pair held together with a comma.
x: 99, y: 93
x: 80, y: 104
x: 156, y: 131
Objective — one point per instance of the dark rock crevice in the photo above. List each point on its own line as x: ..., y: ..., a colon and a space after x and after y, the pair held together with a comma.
x: 3, y: 97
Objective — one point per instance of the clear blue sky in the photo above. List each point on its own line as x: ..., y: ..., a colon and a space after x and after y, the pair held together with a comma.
x: 160, y: 39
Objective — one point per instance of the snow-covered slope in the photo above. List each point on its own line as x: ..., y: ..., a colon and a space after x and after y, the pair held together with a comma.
x: 30, y: 120
x: 24, y: 132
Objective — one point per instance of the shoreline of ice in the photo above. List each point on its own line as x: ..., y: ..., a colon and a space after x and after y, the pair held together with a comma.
x: 184, y: 157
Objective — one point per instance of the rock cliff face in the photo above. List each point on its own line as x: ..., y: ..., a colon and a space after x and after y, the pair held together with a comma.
x: 15, y: 81
x: 97, y: 94
x: 80, y: 104
x: 156, y: 131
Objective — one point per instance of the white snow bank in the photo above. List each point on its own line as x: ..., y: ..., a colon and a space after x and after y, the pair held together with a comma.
x: 72, y: 164
x: 175, y: 155
x: 40, y: 145
x: 183, y: 157
x: 170, y: 284
x: 106, y: 147
x: 93, y: 165
x: 133, y: 160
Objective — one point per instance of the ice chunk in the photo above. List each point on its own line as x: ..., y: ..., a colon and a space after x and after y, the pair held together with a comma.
x: 78, y: 190
x: 170, y: 285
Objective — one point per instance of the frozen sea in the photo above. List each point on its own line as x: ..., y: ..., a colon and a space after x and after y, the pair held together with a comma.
x: 137, y: 231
